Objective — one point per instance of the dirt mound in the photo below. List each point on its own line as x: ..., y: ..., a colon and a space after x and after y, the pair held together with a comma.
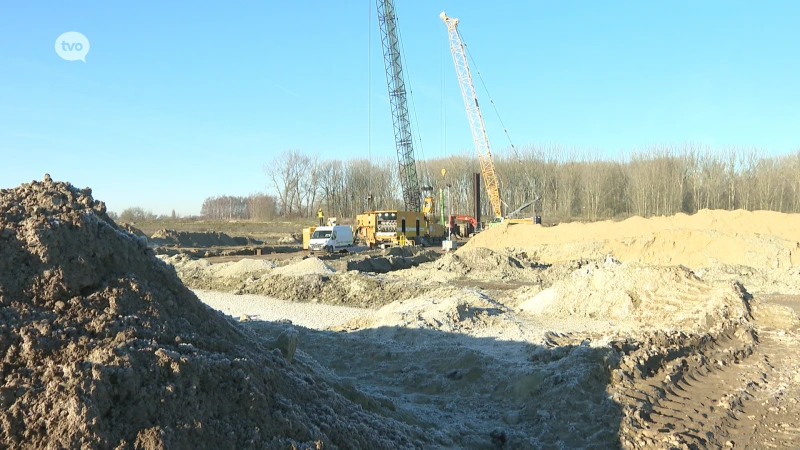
x: 479, y: 262
x: 307, y: 266
x: 289, y: 239
x: 132, y: 229
x: 198, y: 239
x: 649, y: 296
x: 756, y: 239
x: 242, y: 267
x: 101, y: 346
x: 394, y: 258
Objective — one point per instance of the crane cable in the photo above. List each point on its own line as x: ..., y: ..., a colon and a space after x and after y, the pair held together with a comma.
x: 513, y: 147
x: 369, y: 94
x: 531, y: 181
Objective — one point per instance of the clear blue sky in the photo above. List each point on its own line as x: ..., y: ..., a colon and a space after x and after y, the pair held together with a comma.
x: 178, y: 101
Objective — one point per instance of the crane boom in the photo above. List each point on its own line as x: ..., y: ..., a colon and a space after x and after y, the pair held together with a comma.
x: 387, y: 21
x: 474, y: 114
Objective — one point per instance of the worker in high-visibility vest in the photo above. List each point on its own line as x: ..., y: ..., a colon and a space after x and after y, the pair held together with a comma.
x: 320, y: 216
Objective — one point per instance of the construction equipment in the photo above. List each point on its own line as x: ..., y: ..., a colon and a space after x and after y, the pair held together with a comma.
x: 392, y: 60
x: 415, y: 224
x: 470, y: 227
x: 476, y: 123
x: 473, y: 114
x: 393, y: 228
x: 307, y: 232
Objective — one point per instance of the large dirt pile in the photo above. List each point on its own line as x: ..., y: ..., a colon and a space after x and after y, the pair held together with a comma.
x: 756, y: 239
x: 101, y: 346
x: 648, y: 296
x: 198, y: 239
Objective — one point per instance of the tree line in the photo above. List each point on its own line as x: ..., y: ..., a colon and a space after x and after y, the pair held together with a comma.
x: 254, y: 206
x: 257, y: 206
x: 569, y: 184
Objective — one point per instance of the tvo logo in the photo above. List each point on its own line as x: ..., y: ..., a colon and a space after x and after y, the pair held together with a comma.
x: 72, y: 46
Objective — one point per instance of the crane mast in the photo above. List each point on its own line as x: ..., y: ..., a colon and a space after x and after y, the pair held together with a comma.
x: 387, y: 21
x: 473, y: 113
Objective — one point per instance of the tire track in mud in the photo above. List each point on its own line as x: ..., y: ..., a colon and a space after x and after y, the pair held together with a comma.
x: 771, y: 418
x: 736, y: 390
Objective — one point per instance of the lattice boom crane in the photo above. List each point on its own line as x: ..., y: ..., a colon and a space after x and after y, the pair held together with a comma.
x: 474, y: 114
x: 397, y: 98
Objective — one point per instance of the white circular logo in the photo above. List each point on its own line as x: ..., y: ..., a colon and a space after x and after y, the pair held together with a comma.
x: 72, y: 46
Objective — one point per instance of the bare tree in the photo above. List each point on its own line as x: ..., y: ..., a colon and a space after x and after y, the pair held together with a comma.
x: 659, y: 180
x: 285, y: 173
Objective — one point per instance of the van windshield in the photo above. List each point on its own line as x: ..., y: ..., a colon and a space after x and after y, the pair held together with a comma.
x: 322, y: 234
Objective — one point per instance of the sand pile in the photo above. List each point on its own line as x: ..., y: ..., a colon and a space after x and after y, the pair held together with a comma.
x: 198, y: 239
x: 756, y: 239
x: 241, y: 267
x: 647, y: 296
x: 101, y: 346
x: 477, y: 262
x: 307, y: 266
x: 289, y: 239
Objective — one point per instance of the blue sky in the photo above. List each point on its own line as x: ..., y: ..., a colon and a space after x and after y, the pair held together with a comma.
x: 178, y: 101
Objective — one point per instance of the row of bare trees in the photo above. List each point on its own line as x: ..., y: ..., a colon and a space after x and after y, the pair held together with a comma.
x: 304, y: 183
x: 570, y: 185
x: 255, y: 206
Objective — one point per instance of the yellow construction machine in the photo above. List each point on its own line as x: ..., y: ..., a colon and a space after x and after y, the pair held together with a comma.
x: 390, y: 228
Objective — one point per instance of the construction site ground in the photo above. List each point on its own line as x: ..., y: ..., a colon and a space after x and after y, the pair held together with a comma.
x: 678, y: 332
x: 482, y: 339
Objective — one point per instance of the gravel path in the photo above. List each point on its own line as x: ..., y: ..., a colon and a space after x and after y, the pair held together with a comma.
x: 259, y: 307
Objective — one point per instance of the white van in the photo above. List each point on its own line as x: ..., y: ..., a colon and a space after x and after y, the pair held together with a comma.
x: 330, y: 239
